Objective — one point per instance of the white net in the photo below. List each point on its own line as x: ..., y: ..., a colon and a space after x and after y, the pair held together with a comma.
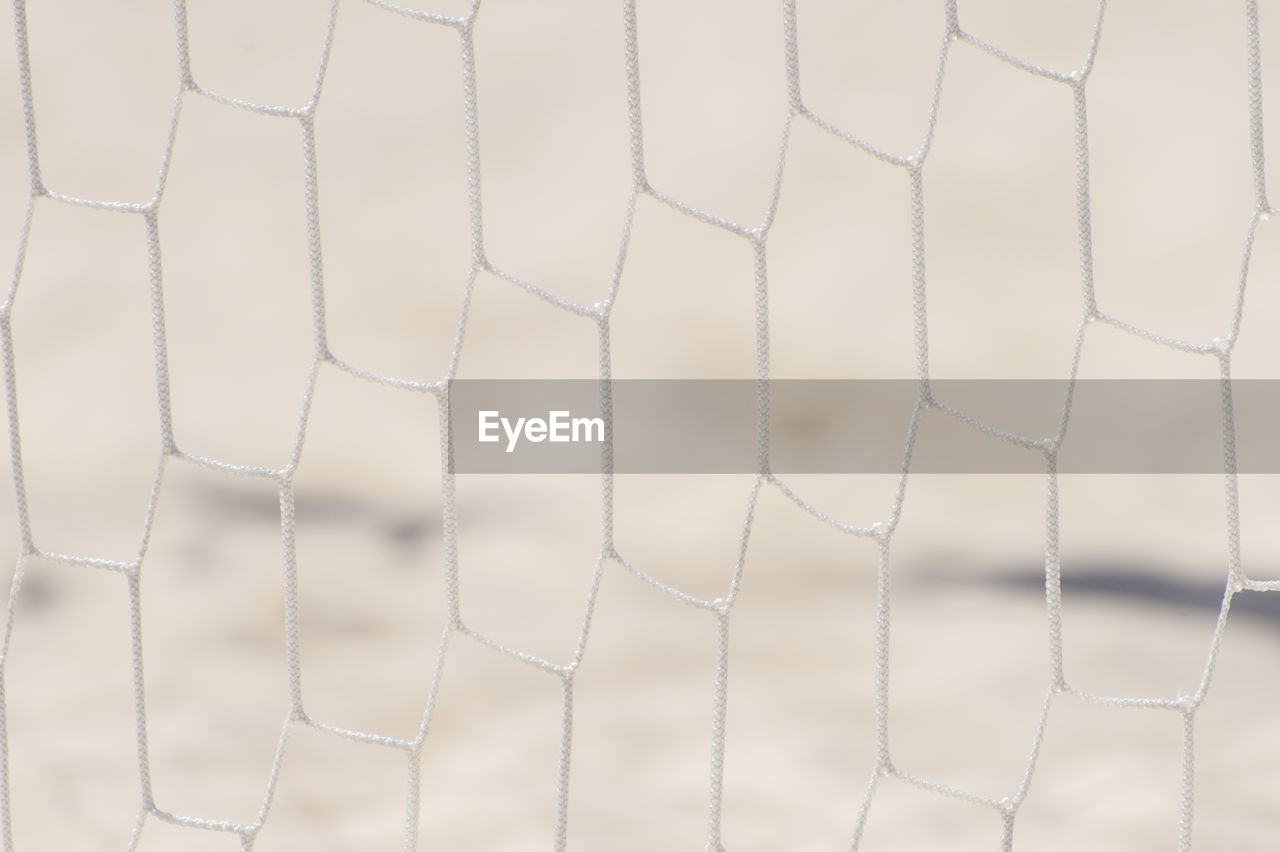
x: 267, y: 614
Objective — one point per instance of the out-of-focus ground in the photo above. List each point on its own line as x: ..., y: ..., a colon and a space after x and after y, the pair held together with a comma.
x: 1144, y: 558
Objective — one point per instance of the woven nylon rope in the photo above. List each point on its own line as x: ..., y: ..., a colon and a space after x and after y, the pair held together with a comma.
x: 912, y: 169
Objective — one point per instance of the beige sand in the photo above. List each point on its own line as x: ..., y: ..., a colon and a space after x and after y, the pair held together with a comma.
x: 1144, y: 559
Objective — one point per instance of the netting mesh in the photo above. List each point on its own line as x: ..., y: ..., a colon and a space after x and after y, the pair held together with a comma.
x: 559, y: 810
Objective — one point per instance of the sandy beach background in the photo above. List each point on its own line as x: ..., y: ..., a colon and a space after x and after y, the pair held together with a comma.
x: 1144, y: 558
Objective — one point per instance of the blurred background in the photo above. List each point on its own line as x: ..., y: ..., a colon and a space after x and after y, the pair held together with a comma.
x: 1144, y: 558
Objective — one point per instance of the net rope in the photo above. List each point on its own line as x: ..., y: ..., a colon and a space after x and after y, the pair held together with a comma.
x: 881, y: 531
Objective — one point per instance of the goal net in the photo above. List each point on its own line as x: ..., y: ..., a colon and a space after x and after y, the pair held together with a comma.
x: 304, y: 295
